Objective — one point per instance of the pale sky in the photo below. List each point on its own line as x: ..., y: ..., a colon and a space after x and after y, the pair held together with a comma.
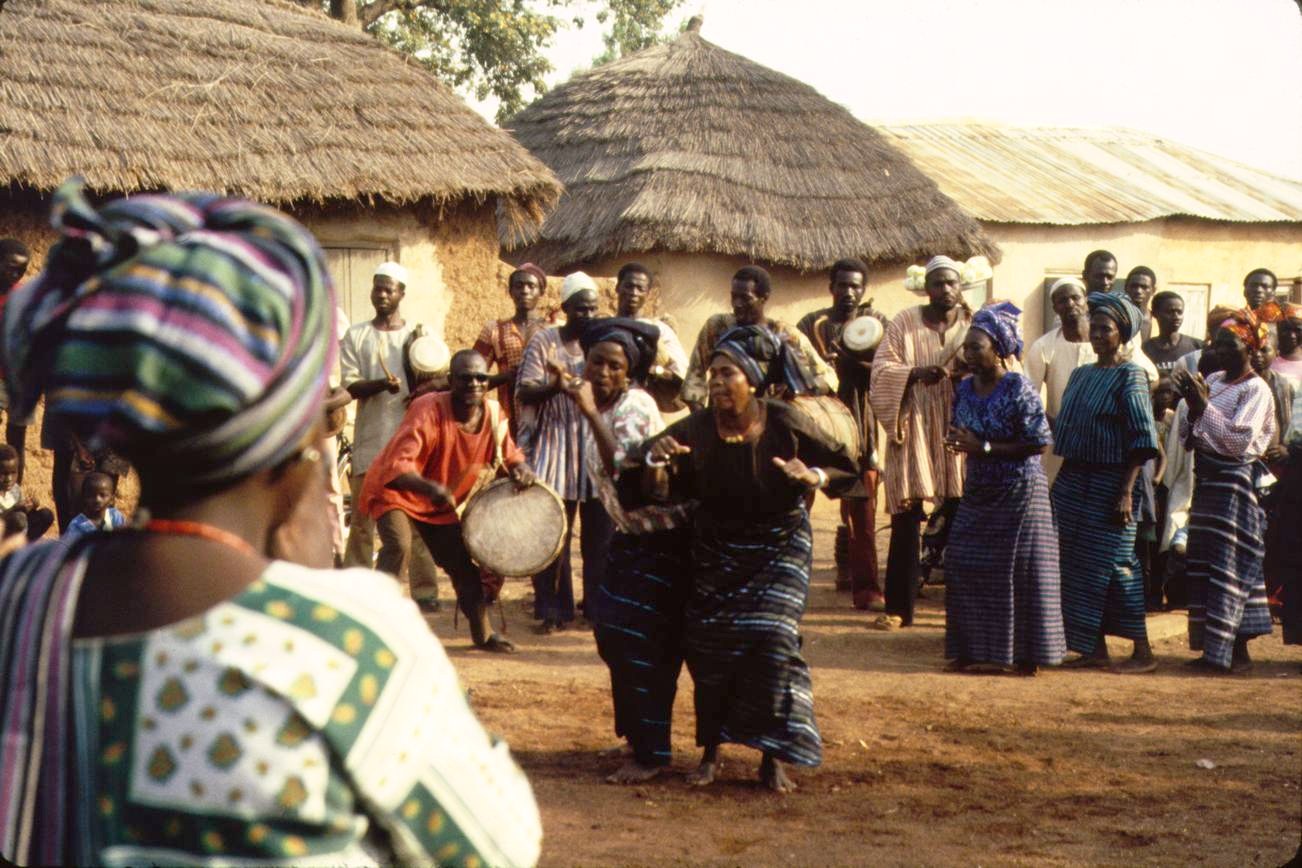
x: 1221, y: 75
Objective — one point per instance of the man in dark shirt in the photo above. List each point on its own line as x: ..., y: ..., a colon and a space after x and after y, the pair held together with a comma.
x: 1169, y: 345
x: 856, y: 561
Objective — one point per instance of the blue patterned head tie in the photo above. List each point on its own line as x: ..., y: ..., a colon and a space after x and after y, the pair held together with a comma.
x: 1120, y: 308
x: 190, y: 332
x: 753, y: 349
x: 999, y: 321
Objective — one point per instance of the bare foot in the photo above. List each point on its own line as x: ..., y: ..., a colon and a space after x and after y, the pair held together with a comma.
x: 1136, y: 666
x: 704, y: 774
x: 774, y: 776
x: 618, y: 750
x: 632, y: 772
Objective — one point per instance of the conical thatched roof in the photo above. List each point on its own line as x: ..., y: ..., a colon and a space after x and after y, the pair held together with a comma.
x: 260, y: 98
x: 688, y: 147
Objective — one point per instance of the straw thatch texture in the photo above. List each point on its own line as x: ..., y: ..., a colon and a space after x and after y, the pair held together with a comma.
x: 688, y: 147
x: 259, y: 98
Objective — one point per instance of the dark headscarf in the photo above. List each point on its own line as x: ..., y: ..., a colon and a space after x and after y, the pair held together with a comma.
x: 1120, y: 309
x: 999, y: 321
x: 753, y: 349
x: 637, y: 338
x: 767, y: 359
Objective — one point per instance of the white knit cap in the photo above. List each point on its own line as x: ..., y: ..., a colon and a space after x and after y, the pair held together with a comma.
x: 944, y: 262
x: 1067, y: 281
x: 577, y: 282
x: 392, y: 270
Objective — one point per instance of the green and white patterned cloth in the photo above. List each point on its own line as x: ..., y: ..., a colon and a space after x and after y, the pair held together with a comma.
x: 313, y: 719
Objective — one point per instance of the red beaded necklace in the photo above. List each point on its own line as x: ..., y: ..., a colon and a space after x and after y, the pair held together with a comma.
x: 181, y: 527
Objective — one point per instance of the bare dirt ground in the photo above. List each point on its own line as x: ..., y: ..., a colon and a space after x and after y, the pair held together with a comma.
x: 920, y: 766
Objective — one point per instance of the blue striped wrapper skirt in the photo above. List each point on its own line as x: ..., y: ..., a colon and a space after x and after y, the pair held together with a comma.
x: 742, y: 639
x: 1227, y: 547
x: 637, y: 614
x: 1003, y: 601
x: 1102, y: 584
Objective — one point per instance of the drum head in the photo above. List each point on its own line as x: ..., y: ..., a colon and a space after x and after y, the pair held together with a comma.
x: 429, y: 355
x: 514, y: 533
x: 862, y: 334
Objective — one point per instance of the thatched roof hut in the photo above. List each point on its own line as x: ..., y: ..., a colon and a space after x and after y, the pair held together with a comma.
x: 687, y: 147
x: 263, y: 99
x: 270, y: 100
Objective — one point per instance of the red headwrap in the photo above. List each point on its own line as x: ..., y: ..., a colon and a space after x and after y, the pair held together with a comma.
x: 1250, y: 325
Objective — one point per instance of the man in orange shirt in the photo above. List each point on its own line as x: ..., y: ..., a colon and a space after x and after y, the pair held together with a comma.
x: 429, y: 467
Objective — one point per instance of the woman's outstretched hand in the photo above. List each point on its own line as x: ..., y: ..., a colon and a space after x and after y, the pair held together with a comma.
x: 796, y: 471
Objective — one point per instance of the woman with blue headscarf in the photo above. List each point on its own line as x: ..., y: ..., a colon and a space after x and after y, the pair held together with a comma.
x: 1003, y: 608
x: 639, y: 593
x: 1104, y: 433
x: 177, y: 692
x: 750, y: 463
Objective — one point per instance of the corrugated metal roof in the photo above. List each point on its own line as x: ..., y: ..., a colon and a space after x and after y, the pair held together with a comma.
x: 1070, y: 176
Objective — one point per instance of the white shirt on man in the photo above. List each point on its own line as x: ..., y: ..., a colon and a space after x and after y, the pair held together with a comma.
x: 378, y: 416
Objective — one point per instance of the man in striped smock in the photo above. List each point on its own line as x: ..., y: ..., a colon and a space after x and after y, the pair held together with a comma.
x: 913, y: 399
x: 552, y: 439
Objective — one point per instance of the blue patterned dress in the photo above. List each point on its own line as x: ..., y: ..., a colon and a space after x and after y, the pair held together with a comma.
x: 1002, y: 592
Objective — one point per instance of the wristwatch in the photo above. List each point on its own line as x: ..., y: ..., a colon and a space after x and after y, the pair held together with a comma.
x: 985, y: 447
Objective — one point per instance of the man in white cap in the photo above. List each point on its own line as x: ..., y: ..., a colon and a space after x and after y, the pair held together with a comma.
x: 913, y: 398
x: 552, y: 440
x: 371, y: 361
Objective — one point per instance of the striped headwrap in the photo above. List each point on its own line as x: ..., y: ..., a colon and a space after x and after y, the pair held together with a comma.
x: 1119, y: 308
x: 189, y: 332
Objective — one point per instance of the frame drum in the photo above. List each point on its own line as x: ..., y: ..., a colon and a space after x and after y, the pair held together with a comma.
x: 514, y: 533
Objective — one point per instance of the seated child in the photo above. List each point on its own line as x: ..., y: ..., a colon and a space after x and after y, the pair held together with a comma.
x: 20, y: 514
x: 98, y: 490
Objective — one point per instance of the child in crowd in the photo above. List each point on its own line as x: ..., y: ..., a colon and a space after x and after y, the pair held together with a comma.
x: 1147, y: 541
x: 21, y: 514
x: 98, y: 491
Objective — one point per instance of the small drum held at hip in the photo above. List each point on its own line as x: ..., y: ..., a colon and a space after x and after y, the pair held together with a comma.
x: 861, y: 336
x: 514, y: 532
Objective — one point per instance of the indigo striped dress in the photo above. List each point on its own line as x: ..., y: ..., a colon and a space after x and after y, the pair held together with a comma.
x: 1002, y: 592
x: 1106, y: 417
x: 1227, y: 526
x: 752, y: 551
x: 637, y: 610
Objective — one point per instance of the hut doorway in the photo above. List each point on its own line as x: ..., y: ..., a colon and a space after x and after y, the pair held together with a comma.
x: 351, y: 269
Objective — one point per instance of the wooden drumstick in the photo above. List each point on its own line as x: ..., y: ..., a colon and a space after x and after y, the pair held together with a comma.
x: 379, y: 355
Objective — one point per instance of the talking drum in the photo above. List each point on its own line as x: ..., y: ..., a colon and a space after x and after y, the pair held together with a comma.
x: 832, y: 418
x: 861, y: 336
x: 512, y: 532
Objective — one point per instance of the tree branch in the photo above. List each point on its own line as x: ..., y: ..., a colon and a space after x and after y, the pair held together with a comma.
x: 372, y: 12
